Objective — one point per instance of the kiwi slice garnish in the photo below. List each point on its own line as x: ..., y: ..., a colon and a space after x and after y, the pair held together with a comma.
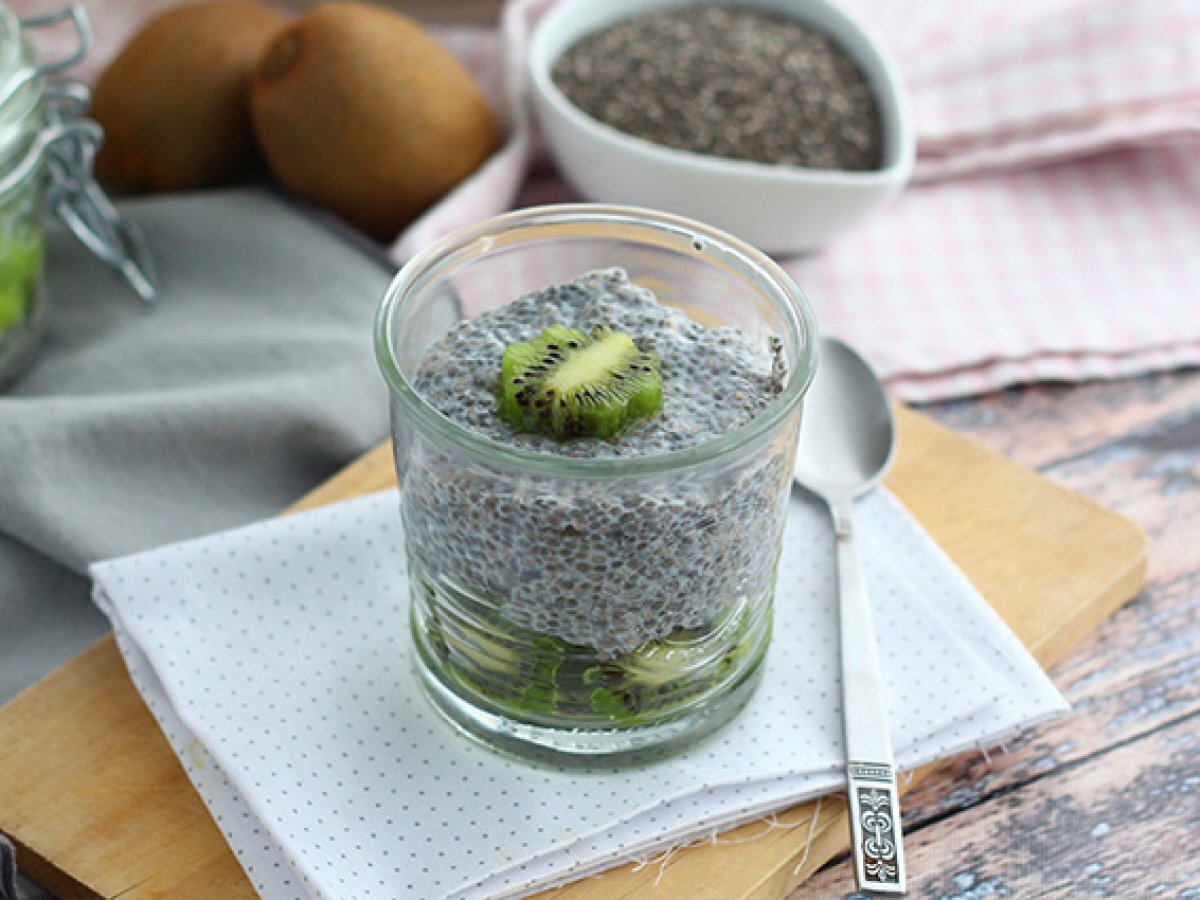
x: 569, y: 383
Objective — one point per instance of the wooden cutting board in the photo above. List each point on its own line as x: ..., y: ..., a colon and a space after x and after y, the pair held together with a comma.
x: 98, y: 805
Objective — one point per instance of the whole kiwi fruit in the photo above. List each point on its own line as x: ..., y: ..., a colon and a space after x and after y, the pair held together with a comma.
x: 174, y: 103
x: 359, y: 110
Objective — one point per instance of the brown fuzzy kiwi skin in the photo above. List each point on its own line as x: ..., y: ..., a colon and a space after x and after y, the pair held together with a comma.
x: 357, y: 109
x: 174, y: 103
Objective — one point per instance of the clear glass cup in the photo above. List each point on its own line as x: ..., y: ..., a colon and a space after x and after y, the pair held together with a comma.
x: 672, y: 648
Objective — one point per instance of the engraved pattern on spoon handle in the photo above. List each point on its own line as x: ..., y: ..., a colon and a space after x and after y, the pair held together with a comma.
x: 870, y: 769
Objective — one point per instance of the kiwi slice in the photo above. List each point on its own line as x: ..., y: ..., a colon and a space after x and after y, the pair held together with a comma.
x: 569, y: 383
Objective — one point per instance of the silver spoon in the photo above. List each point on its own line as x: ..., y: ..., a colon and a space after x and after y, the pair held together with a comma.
x: 847, y: 442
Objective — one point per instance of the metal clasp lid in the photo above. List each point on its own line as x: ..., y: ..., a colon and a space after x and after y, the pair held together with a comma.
x: 73, y: 195
x: 68, y: 145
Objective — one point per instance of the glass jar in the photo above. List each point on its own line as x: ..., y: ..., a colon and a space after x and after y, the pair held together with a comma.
x: 575, y: 666
x: 46, y: 150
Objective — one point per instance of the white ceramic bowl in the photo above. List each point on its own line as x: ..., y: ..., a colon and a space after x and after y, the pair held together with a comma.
x: 780, y: 209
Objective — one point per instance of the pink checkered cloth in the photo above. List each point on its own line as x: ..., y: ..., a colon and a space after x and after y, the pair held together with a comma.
x: 1052, y: 229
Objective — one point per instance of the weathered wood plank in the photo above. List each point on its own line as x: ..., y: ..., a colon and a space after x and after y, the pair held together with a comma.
x: 1042, y: 424
x: 1116, y: 825
x: 1153, y: 476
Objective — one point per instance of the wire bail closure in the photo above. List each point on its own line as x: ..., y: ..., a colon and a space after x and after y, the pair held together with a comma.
x: 67, y: 144
x: 78, y: 201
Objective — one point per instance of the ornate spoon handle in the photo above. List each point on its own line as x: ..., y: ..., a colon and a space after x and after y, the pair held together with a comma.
x: 870, y: 768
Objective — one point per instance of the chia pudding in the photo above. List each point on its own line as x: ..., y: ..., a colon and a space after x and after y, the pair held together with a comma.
x: 650, y: 575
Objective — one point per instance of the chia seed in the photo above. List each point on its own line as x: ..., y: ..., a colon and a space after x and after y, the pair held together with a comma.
x: 607, y: 564
x: 732, y: 82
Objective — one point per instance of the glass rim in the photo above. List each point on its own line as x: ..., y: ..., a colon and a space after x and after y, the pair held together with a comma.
x: 763, y: 272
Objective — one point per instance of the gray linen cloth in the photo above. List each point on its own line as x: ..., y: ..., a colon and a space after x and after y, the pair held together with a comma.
x: 250, y: 382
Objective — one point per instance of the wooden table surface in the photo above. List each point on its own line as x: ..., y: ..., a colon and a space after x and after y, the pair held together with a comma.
x: 1105, y: 802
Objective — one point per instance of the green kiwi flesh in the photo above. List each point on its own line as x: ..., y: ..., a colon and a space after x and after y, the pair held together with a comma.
x: 569, y: 383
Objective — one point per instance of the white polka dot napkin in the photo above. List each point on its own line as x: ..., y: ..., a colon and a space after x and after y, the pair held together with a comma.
x: 275, y: 658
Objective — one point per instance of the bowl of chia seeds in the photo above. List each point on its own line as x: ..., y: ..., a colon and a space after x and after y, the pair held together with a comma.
x: 594, y: 414
x: 783, y: 123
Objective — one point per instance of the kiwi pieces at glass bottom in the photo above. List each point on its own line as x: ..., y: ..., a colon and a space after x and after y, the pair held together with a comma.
x: 551, y: 679
x: 569, y: 383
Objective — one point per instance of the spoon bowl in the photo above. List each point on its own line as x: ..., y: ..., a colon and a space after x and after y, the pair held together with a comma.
x: 849, y: 439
